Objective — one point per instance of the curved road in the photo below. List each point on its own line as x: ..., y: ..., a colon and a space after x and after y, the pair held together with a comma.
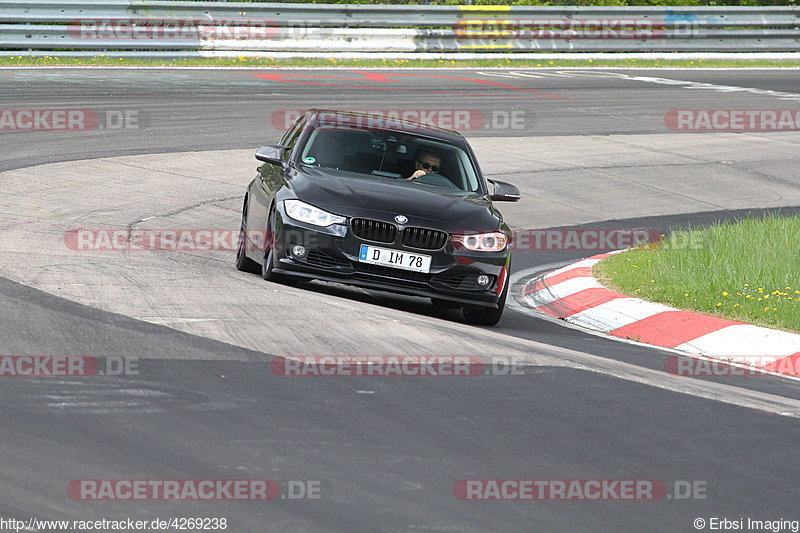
x: 587, y: 148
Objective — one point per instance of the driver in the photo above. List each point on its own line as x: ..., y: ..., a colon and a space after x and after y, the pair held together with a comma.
x: 427, y: 162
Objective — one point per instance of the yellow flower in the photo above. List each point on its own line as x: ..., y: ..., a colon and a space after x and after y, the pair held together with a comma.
x: 724, y: 293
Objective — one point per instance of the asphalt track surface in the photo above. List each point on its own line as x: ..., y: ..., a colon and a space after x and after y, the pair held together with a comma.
x: 206, y: 405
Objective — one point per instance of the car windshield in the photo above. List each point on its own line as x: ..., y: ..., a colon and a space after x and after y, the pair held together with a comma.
x: 390, y: 154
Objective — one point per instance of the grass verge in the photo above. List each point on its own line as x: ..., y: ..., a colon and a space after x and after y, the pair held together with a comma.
x: 746, y: 270
x: 105, y: 60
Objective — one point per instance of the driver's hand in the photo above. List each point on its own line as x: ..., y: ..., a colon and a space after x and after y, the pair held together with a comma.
x: 417, y: 174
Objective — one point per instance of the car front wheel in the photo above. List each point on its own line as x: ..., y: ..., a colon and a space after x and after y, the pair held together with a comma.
x: 268, y: 263
x: 244, y: 263
x: 487, y: 316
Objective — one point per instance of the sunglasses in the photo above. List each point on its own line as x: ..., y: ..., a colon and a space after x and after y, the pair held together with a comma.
x: 426, y: 166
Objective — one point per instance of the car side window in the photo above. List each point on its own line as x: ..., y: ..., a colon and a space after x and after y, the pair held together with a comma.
x: 291, y: 130
x: 290, y: 139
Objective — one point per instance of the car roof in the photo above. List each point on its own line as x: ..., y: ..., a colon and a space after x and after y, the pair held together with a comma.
x: 389, y: 123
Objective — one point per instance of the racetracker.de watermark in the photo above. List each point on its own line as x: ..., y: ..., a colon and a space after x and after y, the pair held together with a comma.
x: 178, y: 29
x: 206, y: 240
x: 733, y: 119
x: 71, y: 120
x: 449, y: 119
x: 731, y: 366
x: 250, y: 490
x: 568, y: 28
x: 394, y: 366
x: 639, y: 490
x: 599, y: 239
x: 162, y: 240
x: 66, y: 366
x: 596, y: 239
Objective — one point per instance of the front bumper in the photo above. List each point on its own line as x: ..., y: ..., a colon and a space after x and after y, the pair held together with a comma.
x: 332, y: 255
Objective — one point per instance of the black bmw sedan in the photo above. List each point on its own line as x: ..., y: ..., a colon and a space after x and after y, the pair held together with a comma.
x: 383, y: 204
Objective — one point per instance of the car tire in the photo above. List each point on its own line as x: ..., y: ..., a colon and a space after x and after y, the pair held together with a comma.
x: 487, y: 316
x: 244, y: 263
x: 267, y: 267
x: 268, y: 263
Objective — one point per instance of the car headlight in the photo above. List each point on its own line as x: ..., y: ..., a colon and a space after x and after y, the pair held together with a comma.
x: 309, y: 214
x: 495, y: 241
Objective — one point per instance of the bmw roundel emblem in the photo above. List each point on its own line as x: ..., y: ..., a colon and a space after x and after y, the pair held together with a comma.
x: 400, y: 219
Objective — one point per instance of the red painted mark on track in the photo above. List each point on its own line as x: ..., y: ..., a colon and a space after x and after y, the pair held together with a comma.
x: 579, y: 302
x: 791, y: 362
x: 672, y: 328
x: 289, y: 77
x: 580, y: 272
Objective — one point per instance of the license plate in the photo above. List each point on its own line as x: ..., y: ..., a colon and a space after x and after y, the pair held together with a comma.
x: 394, y: 258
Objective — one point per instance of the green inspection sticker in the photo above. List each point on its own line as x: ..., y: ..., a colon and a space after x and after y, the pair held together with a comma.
x: 310, y: 160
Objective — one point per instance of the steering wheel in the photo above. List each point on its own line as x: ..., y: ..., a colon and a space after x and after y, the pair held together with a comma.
x: 437, y: 180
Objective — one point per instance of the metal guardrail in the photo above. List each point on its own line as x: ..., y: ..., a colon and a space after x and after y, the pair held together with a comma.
x: 263, y: 28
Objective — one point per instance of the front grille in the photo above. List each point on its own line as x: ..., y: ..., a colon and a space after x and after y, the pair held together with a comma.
x: 424, y: 238
x: 321, y: 259
x: 451, y: 281
x: 373, y: 230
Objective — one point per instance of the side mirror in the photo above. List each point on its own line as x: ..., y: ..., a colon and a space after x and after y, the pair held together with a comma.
x: 271, y: 154
x: 504, y: 192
